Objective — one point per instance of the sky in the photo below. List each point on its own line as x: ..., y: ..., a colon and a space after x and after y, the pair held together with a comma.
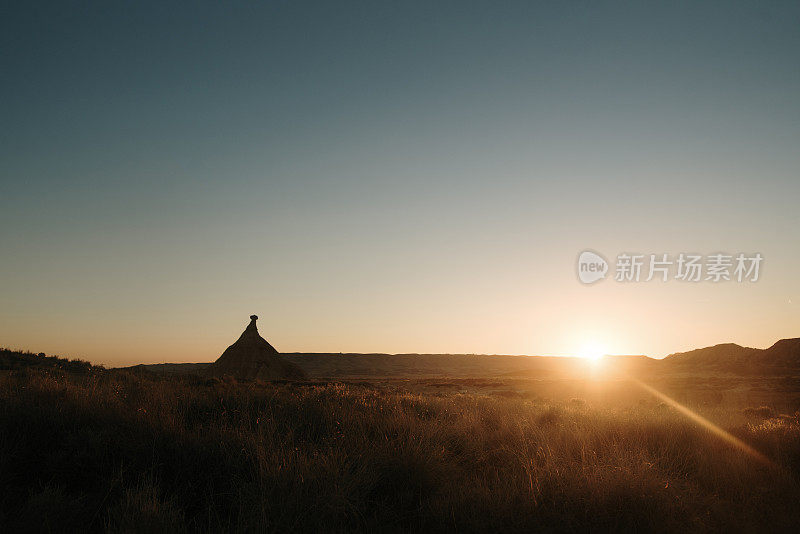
x: 393, y: 176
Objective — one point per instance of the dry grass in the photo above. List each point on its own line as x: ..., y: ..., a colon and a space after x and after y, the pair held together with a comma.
x: 127, y: 452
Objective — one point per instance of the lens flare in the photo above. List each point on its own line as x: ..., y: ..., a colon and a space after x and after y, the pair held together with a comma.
x: 705, y: 423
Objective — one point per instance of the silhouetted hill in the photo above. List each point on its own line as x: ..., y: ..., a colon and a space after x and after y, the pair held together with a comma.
x: 13, y: 360
x: 722, y: 354
x: 782, y: 357
x: 784, y: 353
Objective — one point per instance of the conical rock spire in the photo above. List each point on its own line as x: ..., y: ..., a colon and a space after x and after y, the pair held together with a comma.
x: 252, y: 357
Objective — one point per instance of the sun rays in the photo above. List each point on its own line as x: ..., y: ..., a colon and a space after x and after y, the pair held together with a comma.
x: 705, y: 423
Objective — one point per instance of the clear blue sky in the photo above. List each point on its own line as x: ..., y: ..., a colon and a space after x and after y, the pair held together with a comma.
x: 392, y: 177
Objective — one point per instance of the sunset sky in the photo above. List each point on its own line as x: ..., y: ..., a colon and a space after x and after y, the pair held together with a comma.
x: 393, y: 177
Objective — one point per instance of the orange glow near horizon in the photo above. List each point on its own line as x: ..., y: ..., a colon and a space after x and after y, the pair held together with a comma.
x: 592, y: 350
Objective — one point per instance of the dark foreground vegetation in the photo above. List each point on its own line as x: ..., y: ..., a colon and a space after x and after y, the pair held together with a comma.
x: 88, y: 449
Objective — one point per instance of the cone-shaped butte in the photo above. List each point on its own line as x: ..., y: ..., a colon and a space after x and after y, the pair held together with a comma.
x: 252, y: 357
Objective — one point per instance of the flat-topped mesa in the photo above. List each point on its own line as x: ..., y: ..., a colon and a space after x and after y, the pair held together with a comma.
x: 252, y: 357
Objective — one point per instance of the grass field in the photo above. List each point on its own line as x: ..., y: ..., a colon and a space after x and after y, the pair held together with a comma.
x: 93, y: 449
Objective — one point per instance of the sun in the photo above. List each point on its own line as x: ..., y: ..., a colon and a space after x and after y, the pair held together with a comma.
x: 592, y: 350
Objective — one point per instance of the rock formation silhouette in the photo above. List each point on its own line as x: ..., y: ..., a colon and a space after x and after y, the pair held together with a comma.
x: 252, y: 357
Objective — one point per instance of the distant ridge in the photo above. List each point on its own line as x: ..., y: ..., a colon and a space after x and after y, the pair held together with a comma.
x: 784, y: 353
x: 782, y: 358
x: 722, y: 354
x: 730, y: 357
